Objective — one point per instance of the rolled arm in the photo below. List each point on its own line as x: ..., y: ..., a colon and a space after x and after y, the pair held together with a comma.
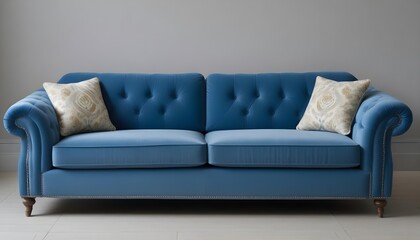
x: 380, y: 116
x: 33, y: 119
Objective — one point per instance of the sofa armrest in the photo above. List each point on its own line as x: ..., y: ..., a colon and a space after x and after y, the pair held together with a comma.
x: 33, y: 119
x: 380, y: 116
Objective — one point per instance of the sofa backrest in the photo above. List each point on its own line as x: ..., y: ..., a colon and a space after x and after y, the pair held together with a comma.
x: 151, y: 101
x: 261, y: 101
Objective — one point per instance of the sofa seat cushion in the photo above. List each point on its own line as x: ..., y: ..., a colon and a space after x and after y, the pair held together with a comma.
x: 131, y: 149
x: 281, y: 148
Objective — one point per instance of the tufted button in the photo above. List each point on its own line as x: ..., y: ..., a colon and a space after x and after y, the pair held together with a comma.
x: 256, y: 94
x: 281, y: 95
x: 174, y: 95
x: 137, y: 110
x: 245, y: 112
x: 123, y: 94
x: 271, y: 111
x: 232, y: 95
x: 148, y: 93
x: 162, y: 110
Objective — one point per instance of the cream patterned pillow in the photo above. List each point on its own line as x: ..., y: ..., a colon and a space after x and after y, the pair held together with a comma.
x: 333, y: 105
x: 79, y: 107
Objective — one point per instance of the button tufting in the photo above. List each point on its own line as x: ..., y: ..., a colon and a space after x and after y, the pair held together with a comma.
x: 174, y: 95
x: 232, y: 96
x: 137, y: 111
x: 148, y: 94
x: 257, y: 94
x: 281, y: 95
x: 245, y: 112
x: 123, y: 94
x: 162, y: 110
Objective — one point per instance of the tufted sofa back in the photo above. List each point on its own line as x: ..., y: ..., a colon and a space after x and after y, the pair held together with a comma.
x: 151, y: 101
x: 258, y: 101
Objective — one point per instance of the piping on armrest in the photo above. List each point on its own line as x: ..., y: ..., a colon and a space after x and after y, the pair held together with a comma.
x: 379, y: 117
x: 33, y: 119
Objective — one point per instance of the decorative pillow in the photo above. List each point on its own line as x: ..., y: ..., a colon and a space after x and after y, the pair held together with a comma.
x: 333, y: 105
x: 79, y: 107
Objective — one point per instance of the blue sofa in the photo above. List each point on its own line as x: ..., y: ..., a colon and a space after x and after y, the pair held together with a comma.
x: 230, y: 136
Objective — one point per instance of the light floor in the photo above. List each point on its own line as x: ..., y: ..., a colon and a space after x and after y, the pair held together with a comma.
x: 204, y: 220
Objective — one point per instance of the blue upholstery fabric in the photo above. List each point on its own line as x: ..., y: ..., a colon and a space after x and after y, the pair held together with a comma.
x: 131, y: 149
x: 151, y: 101
x: 267, y: 101
x: 208, y: 183
x: 281, y: 148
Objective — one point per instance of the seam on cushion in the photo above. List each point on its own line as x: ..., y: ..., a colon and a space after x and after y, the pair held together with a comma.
x: 273, y: 163
x: 190, y: 145
x: 275, y: 145
x: 151, y: 166
x: 281, y: 166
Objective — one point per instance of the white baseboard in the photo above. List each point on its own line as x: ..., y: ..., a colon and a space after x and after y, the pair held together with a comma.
x: 406, y: 154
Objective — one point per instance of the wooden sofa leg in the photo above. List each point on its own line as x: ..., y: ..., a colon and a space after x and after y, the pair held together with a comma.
x: 380, y: 205
x: 29, y: 203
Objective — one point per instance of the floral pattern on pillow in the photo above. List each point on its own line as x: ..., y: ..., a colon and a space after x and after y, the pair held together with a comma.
x: 333, y: 105
x: 79, y: 107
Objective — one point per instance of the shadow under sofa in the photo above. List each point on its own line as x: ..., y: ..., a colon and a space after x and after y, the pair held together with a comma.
x: 230, y: 136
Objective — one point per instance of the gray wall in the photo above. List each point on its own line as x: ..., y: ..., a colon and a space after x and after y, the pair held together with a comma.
x: 378, y: 39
